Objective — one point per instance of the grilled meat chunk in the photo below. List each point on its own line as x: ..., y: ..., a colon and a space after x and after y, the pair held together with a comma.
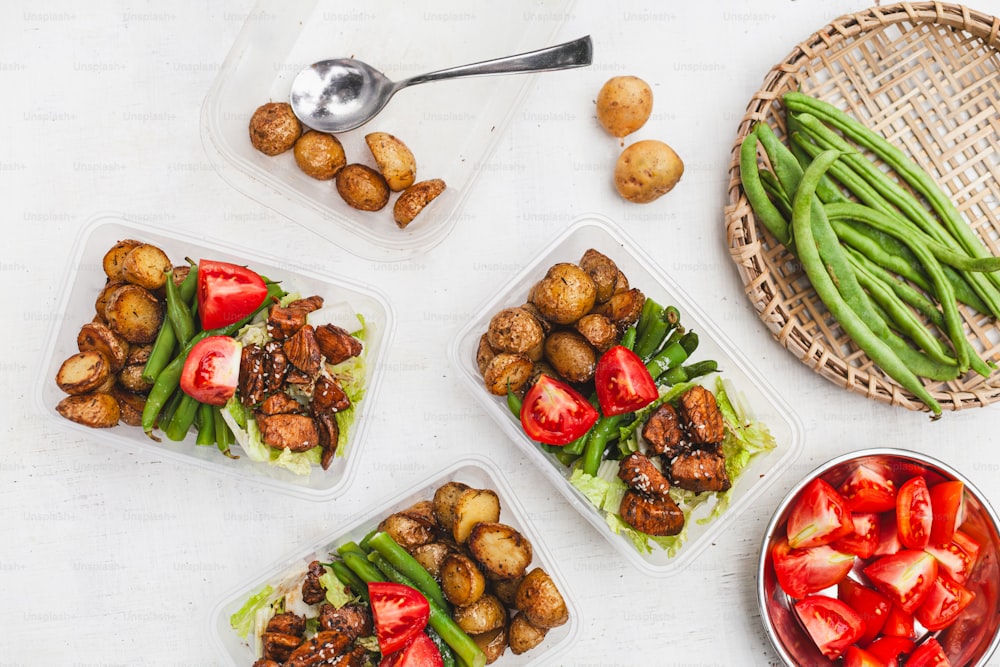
x: 287, y: 623
x: 640, y: 473
x: 321, y: 649
x: 297, y: 377
x: 663, y: 433
x: 275, y: 366
x: 278, y: 646
x: 337, y: 344
x: 329, y: 437
x: 294, y: 432
x: 308, y: 304
x: 313, y: 591
x: 353, y: 619
x: 329, y: 396
x: 252, y: 385
x: 701, y: 415
x: 280, y: 403
x: 700, y: 470
x: 653, y: 516
x: 264, y: 662
x: 284, y: 322
x: 303, y: 352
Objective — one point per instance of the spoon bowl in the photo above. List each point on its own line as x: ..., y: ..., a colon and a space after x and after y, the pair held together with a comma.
x: 344, y: 93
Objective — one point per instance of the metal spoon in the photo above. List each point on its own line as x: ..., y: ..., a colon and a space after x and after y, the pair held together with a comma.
x: 342, y: 94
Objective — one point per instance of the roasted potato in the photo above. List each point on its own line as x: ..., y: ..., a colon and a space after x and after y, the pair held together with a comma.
x: 414, y: 199
x: 624, y: 104
x: 598, y: 330
x: 319, y: 155
x: 362, y: 187
x: 522, y: 635
x: 97, y: 336
x: 603, y: 271
x: 394, y: 159
x: 505, y: 589
x: 500, y: 549
x: 138, y: 355
x: 146, y: 266
x: 114, y: 258
x: 647, y: 170
x: 101, y: 303
x: 542, y: 322
x: 462, y: 582
x: 134, y: 313
x: 130, y: 377
x: 408, y: 531
x: 445, y: 498
x: 472, y: 507
x: 96, y: 409
x: 492, y: 643
x: 516, y: 330
x: 274, y: 128
x: 565, y: 294
x: 485, y: 614
x: 431, y: 556
x: 484, y: 354
x: 623, y: 308
x: 422, y: 511
x: 130, y: 405
x: 571, y: 356
x: 540, y: 601
x: 507, y: 370
x: 84, y: 372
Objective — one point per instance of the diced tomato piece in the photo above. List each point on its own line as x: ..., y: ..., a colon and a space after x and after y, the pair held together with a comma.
x: 804, y: 571
x: 832, y: 625
x: 928, y: 654
x: 623, y: 382
x: 905, y: 577
x: 871, y: 606
x: 948, y: 505
x: 898, y: 623
x: 890, y: 649
x: 819, y: 516
x: 868, y: 490
x: 953, y: 560
x: 914, y: 516
x: 864, y: 540
x: 943, y: 604
x: 888, y: 535
x: 967, y: 544
x: 855, y: 656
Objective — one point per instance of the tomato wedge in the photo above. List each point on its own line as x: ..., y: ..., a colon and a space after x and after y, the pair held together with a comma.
x: 888, y: 535
x: 400, y: 614
x: 948, y: 505
x: 898, y: 623
x: 419, y: 652
x: 865, y: 538
x: 889, y: 649
x: 905, y: 577
x: 804, y: 571
x: 211, y: 370
x: 818, y: 517
x: 871, y: 606
x: 943, y: 604
x: 868, y: 490
x: 554, y: 413
x: 913, y: 513
x: 928, y: 654
x: 957, y: 558
x: 832, y: 625
x: 855, y: 656
x: 623, y: 384
x: 227, y: 293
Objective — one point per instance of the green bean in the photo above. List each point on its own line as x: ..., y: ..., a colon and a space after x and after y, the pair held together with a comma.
x: 513, y: 402
x: 827, y: 190
x: 628, y: 338
x: 649, y: 342
x: 763, y: 208
x: 400, y: 559
x: 671, y: 355
x: 169, y: 407
x: 447, y: 655
x: 206, y: 425
x: 646, y: 315
x: 907, y: 294
x: 597, y: 440
x: 182, y: 420
x: 347, y: 577
x: 223, y: 435
x: 812, y: 263
x: 178, y: 312
x: 777, y: 195
x: 783, y: 162
x: 166, y: 339
x: 679, y: 374
x: 575, y: 448
x: 360, y: 566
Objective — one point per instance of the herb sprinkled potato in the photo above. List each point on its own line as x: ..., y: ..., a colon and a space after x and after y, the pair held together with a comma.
x: 565, y: 294
x: 414, y: 199
x: 647, y: 170
x: 274, y: 128
x: 624, y: 104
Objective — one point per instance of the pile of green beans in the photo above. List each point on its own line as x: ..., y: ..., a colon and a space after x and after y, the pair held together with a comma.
x: 891, y: 270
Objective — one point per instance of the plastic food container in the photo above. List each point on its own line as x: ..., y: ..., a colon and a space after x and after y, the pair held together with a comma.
x: 475, y: 471
x: 451, y: 127
x: 602, y: 235
x: 85, y: 277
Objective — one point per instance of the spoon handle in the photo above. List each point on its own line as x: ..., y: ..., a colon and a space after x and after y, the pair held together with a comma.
x: 577, y: 53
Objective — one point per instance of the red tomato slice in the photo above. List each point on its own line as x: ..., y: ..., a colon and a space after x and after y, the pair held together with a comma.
x: 623, y: 384
x: 804, y: 571
x: 913, y: 513
x: 898, y: 623
x: 889, y: 649
x: 906, y: 577
x: 888, y: 535
x: 868, y: 490
x: 948, y: 505
x: 400, y: 614
x: 819, y: 516
x: 928, y: 654
x: 212, y: 370
x: 943, y: 604
x: 554, y: 413
x: 419, y: 652
x: 957, y: 558
x: 871, y: 606
x: 865, y: 538
x: 227, y: 293
x: 832, y: 625
x: 855, y: 656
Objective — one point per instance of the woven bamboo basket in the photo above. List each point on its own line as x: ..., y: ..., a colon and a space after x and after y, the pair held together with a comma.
x: 926, y: 75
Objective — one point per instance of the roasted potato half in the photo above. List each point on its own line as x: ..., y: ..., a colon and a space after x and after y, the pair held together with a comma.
x: 445, y: 498
x: 522, y: 635
x: 485, y: 614
x: 97, y: 336
x: 408, y: 531
x: 540, y: 600
x: 598, y: 330
x: 462, y: 582
x: 565, y: 294
x: 146, y: 266
x: 115, y: 257
x: 130, y: 405
x: 414, y: 199
x: 101, y: 303
x: 130, y: 377
x: 134, y: 313
x: 472, y: 507
x: 394, y: 159
x: 431, y: 556
x: 505, y: 589
x: 602, y: 270
x: 623, y: 308
x: 492, y: 643
x: 484, y: 354
x: 507, y: 370
x: 96, y: 409
x: 83, y: 372
x: 500, y: 549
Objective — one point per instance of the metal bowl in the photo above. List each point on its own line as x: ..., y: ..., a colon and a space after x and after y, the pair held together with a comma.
x: 974, y: 636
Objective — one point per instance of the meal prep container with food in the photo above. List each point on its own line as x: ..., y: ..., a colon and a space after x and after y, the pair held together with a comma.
x: 86, y: 277
x: 974, y: 635
x: 475, y: 471
x: 751, y: 389
x: 452, y: 127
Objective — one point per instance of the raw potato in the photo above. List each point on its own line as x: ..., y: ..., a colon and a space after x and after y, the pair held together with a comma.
x: 362, y: 187
x: 134, y: 314
x: 500, y: 549
x: 647, y: 170
x: 274, y: 128
x: 394, y: 159
x: 603, y: 271
x: 83, y: 372
x: 540, y: 600
x: 114, y: 257
x: 96, y: 410
x: 623, y: 308
x: 472, y: 507
x: 97, y: 336
x: 523, y: 636
x: 431, y: 556
x: 507, y: 370
x: 409, y: 204
x: 319, y: 155
x: 565, y: 294
x: 624, y: 104
x: 406, y: 530
x: 492, y: 643
x: 146, y: 266
x: 571, y: 356
x: 516, y: 330
x: 598, y: 330
x: 445, y: 498
x: 485, y: 614
x: 461, y: 581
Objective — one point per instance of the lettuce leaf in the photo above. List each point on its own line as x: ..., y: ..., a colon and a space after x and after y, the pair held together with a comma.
x: 243, y: 620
